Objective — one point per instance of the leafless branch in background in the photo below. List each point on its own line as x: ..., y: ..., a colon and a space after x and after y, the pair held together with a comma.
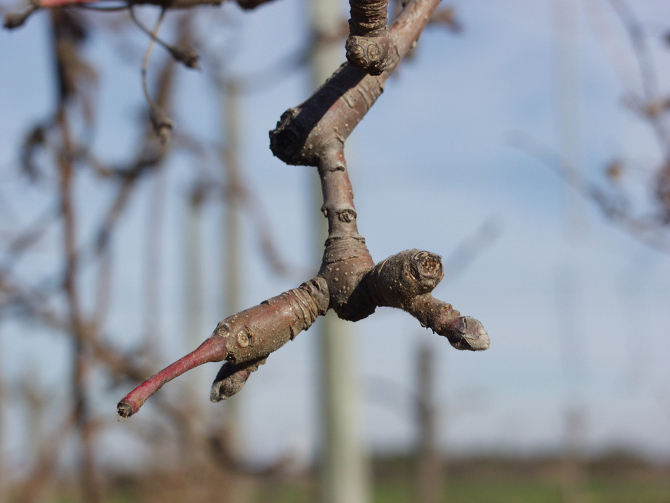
x: 615, y: 205
x: 647, y: 219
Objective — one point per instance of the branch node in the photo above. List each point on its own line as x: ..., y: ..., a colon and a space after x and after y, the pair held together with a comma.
x: 161, y: 122
x: 231, y: 378
x: 345, y: 260
x: 368, y: 43
x: 368, y: 54
x: 346, y: 216
x: 398, y: 280
x: 185, y: 54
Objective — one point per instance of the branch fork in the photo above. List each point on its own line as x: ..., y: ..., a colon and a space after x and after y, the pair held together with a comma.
x: 349, y: 281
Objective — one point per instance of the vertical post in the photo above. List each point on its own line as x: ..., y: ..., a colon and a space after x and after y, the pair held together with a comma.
x: 153, y: 257
x: 567, y: 112
x: 232, y: 196
x: 3, y: 396
x: 231, y: 236
x: 429, y: 465
x: 239, y: 487
x: 343, y: 465
x: 568, y: 279
x: 194, y: 300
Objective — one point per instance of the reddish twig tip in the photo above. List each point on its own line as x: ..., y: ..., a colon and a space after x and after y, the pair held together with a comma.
x: 212, y: 350
x: 124, y: 409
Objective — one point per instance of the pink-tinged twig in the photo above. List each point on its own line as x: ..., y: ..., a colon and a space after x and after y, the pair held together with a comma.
x: 212, y: 350
x: 15, y: 19
x: 244, y: 337
x: 48, y: 4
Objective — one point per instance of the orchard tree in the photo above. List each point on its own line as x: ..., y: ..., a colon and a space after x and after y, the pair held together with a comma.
x: 311, y: 134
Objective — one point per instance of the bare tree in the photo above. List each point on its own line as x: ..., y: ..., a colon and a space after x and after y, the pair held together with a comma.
x: 617, y: 194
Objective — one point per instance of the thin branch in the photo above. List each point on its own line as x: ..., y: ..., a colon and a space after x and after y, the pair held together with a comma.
x: 147, y: 54
x: 636, y: 35
x: 159, y: 118
x: 182, y: 53
x: 16, y: 19
x: 470, y: 248
x: 243, y: 337
x: 24, y: 241
x: 647, y: 73
x: 647, y: 229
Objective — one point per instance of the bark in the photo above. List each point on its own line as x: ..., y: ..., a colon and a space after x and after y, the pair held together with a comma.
x: 368, y: 43
x: 243, y: 339
x: 349, y: 282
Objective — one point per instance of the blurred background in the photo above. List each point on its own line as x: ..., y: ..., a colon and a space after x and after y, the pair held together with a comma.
x: 525, y: 141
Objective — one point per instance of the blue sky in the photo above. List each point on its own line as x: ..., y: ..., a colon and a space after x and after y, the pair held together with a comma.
x: 431, y: 162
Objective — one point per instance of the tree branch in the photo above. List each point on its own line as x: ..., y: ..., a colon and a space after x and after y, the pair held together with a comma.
x: 405, y: 281
x: 348, y: 281
x: 16, y: 19
x: 368, y: 43
x: 244, y: 337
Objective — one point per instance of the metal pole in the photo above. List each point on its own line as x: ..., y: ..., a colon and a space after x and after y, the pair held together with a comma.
x: 194, y: 301
x: 568, y: 280
x: 344, y: 467
x: 240, y: 487
x: 429, y: 464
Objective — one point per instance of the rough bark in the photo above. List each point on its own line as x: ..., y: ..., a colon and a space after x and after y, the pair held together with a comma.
x: 368, y: 43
